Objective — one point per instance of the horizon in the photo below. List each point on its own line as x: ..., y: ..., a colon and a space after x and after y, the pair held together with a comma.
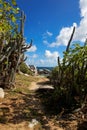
x: 50, y: 23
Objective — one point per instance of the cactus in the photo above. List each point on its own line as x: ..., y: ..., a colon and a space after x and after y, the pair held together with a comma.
x: 12, y: 55
x: 68, y: 45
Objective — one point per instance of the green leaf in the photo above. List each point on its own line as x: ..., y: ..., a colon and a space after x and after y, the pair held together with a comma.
x: 14, y: 2
x: 13, y: 19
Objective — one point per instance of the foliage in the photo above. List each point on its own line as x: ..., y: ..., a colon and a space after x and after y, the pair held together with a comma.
x: 12, y: 42
x: 54, y: 74
x: 8, y: 17
x: 70, y: 77
x: 25, y: 69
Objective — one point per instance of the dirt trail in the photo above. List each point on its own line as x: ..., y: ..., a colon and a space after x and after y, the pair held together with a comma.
x: 41, y: 83
x: 54, y: 122
x: 19, y: 108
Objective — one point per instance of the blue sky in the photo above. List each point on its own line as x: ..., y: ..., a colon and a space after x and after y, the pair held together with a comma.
x: 49, y: 23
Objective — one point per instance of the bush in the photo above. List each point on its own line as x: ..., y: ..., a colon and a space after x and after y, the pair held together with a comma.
x: 24, y: 68
x: 70, y: 77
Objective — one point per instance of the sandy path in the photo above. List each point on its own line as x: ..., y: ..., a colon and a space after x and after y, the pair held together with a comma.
x: 41, y: 83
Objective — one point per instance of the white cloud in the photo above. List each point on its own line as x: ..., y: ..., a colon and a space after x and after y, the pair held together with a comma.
x: 32, y: 49
x: 83, y: 7
x: 35, y: 56
x: 51, y: 55
x: 47, y: 62
x: 41, y: 61
x: 63, y: 37
x: 81, y: 29
x: 49, y: 33
x: 45, y: 42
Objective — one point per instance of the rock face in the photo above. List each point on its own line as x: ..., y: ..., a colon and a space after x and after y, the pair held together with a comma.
x: 2, y: 93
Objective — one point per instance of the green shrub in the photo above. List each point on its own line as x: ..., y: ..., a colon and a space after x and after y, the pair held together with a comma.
x: 70, y: 77
x: 24, y: 68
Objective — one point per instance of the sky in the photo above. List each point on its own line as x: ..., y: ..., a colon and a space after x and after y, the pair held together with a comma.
x: 49, y: 23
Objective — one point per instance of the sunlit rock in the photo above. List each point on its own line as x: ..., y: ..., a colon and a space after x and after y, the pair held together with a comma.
x: 2, y: 93
x: 34, y: 125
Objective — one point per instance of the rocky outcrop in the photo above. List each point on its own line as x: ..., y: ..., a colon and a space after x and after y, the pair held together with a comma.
x: 33, y: 69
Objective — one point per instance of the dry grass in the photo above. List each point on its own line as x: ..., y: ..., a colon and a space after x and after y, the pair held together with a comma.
x: 24, y: 82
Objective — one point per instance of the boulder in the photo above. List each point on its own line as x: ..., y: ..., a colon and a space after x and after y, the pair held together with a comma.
x: 34, y: 125
x: 26, y: 75
x: 2, y: 93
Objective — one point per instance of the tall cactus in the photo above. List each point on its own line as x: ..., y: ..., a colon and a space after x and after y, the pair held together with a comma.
x: 11, y: 55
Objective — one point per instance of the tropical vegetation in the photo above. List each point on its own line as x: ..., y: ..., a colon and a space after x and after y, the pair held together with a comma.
x: 12, y: 41
x: 70, y: 76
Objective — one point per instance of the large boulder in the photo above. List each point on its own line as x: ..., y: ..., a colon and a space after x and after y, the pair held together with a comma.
x: 2, y: 93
